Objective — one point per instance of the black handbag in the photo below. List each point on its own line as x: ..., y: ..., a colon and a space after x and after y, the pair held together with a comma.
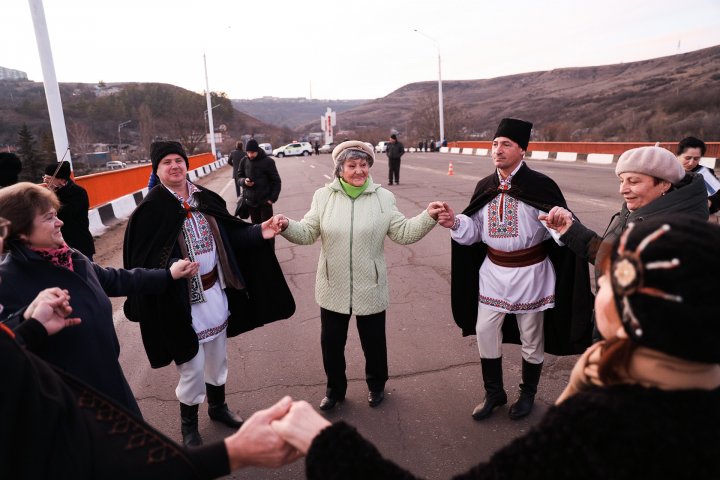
x: 241, y: 209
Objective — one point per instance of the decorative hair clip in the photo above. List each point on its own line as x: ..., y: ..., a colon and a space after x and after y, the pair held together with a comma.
x: 628, y: 274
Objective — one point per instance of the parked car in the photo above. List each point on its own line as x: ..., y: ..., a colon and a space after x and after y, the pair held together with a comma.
x: 115, y: 164
x: 381, y: 147
x: 327, y: 148
x: 293, y: 149
x: 267, y: 148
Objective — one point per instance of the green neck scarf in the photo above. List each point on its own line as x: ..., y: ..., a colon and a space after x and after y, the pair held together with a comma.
x: 353, y: 191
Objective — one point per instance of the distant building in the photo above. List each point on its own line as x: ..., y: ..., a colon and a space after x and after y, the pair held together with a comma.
x: 10, y: 74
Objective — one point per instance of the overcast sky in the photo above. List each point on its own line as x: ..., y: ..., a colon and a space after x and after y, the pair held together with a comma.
x: 343, y: 49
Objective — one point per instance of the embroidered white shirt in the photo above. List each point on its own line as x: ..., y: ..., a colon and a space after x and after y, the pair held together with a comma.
x: 508, y: 224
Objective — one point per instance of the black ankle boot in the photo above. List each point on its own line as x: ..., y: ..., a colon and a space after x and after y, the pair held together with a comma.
x: 495, y: 395
x: 218, y: 409
x: 528, y: 389
x: 189, y: 425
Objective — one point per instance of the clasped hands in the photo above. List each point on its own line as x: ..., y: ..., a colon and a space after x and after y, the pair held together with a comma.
x: 275, y: 436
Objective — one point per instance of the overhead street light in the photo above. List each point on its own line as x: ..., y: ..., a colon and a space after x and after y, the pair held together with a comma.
x: 440, y: 92
x: 120, y: 126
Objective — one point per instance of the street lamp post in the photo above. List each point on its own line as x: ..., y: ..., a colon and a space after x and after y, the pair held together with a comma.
x: 440, y: 92
x: 120, y: 126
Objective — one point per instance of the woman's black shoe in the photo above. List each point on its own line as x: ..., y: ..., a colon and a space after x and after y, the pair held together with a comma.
x: 328, y: 403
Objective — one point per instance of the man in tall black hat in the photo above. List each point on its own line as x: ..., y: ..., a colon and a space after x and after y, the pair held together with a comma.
x: 239, y: 285
x: 74, y: 206
x: 512, y: 280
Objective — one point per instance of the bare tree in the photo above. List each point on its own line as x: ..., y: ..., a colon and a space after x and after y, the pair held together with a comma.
x: 79, y: 139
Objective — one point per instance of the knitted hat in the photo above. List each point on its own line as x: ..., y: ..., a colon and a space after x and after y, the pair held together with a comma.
x: 353, y: 145
x: 63, y: 170
x: 654, y: 161
x: 10, y: 167
x: 252, y: 146
x: 160, y: 150
x: 664, y: 278
x: 516, y: 130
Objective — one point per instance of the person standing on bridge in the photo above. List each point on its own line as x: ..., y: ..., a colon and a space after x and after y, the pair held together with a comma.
x: 395, y: 151
x: 652, y: 183
x: 506, y: 263
x: 40, y: 259
x: 260, y: 180
x: 74, y: 205
x: 352, y: 215
x: 690, y: 151
x: 234, y: 160
x: 239, y: 286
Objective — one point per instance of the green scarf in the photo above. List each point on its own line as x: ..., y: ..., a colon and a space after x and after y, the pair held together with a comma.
x: 353, y: 191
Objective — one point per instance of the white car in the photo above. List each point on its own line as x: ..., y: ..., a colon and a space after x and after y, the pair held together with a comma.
x: 267, y: 148
x: 381, y: 147
x: 294, y: 149
x: 114, y: 164
x: 327, y: 148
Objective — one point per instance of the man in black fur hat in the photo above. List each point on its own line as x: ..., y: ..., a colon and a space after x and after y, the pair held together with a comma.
x: 74, y: 206
x: 239, y: 286
x: 529, y: 290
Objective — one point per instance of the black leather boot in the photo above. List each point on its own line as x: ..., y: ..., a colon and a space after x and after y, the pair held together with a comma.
x: 528, y: 389
x: 189, y: 425
x: 218, y: 409
x: 495, y: 395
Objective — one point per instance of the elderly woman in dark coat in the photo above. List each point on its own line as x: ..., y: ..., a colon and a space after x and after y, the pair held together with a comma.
x: 39, y: 259
x: 652, y: 183
x: 642, y: 404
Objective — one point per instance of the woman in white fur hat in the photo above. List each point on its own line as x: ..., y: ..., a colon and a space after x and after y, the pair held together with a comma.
x: 352, y: 215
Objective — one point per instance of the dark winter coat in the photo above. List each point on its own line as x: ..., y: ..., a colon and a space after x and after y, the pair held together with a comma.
x: 689, y: 197
x: 625, y: 432
x: 74, y: 214
x: 90, y: 350
x: 568, y: 325
x: 55, y: 426
x: 395, y: 150
x: 263, y: 172
x: 152, y: 240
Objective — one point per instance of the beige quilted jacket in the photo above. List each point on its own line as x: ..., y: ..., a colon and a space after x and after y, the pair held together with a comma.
x: 351, y: 272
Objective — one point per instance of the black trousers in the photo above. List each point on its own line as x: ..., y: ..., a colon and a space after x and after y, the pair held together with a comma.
x: 393, y: 170
x: 333, y: 336
x: 260, y: 213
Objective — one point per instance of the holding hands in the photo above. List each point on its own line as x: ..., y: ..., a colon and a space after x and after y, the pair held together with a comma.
x: 558, y: 218
x: 447, y: 216
x: 272, y: 227
x: 52, y: 309
x: 184, y: 269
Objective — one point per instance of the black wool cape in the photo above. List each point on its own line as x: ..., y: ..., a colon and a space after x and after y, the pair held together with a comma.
x: 151, y: 240
x: 567, y: 326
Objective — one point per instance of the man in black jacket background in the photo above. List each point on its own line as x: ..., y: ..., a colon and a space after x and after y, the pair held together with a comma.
x: 259, y: 177
x: 395, y: 151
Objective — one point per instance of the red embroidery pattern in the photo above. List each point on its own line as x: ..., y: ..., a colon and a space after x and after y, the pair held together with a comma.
x: 201, y: 237
x: 494, y: 302
x: 212, y: 331
x: 505, y: 226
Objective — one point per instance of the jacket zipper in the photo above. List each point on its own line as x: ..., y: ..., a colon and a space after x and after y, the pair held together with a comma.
x: 352, y: 222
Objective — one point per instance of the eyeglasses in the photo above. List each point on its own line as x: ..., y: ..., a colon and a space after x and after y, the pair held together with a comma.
x: 4, y: 228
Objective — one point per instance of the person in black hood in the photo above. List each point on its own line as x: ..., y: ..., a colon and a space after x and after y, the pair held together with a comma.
x: 260, y: 180
x: 74, y: 208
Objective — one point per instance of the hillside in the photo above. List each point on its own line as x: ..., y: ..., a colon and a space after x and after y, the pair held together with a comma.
x: 292, y: 112
x: 93, y: 114
x: 663, y: 98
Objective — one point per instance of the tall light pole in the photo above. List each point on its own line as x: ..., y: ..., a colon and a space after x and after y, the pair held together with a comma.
x: 120, y: 126
x: 211, y: 125
x: 440, y: 93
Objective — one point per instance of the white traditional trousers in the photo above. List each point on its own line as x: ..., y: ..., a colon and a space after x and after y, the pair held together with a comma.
x: 489, y: 334
x: 208, y: 366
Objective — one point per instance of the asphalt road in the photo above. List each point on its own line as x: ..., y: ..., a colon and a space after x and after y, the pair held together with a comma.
x: 435, y: 382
